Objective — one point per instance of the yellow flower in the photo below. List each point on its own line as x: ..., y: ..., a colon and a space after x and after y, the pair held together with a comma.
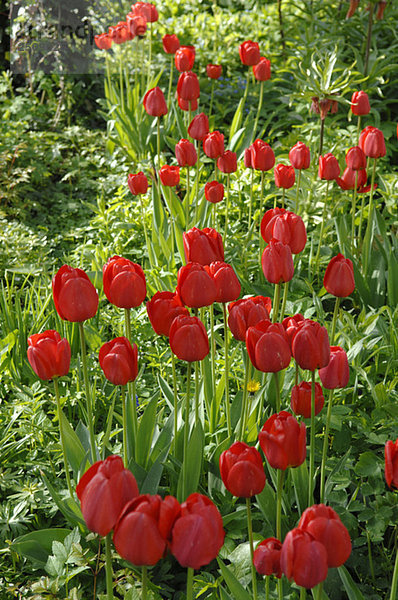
x: 253, y: 386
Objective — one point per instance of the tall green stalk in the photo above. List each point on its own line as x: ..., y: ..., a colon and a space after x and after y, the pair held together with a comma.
x: 369, y: 229
x: 173, y: 366
x: 226, y: 358
x: 211, y: 96
x: 227, y: 206
x: 189, y: 583
x: 62, y: 435
x: 197, y: 182
x: 368, y: 38
x: 250, y: 531
x: 275, y: 304
x: 297, y: 191
x: 197, y: 367
x: 108, y: 567
x: 322, y: 226
x: 394, y: 583
x: 187, y: 203
x: 186, y: 433
x: 90, y: 418
x: 243, y: 416
x: 213, y: 360
x: 260, y: 104
x: 170, y: 80
x: 312, y: 442
x: 354, y: 198
x: 284, y: 300
x: 144, y: 582
x: 321, y: 135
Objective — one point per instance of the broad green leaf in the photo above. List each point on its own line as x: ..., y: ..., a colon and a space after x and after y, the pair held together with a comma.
x: 353, y: 592
x: 237, y: 590
x: 145, y: 432
x: 194, y: 459
x: 37, y: 545
x: 300, y: 482
x: 75, y: 453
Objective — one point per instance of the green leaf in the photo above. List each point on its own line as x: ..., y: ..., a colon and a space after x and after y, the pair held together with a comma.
x: 353, y: 592
x: 69, y: 507
x: 237, y: 590
x: 194, y: 459
x: 368, y: 464
x: 37, y: 545
x: 237, y: 120
x: 145, y: 432
x: 75, y: 453
x: 392, y: 280
x: 300, y: 483
x: 267, y: 503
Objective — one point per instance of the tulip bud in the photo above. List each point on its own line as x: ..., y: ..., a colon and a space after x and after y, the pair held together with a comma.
x: 262, y: 156
x: 74, y: 295
x: 285, y: 226
x: 301, y: 399
x: 48, y: 354
x: 154, y: 102
x: 169, y: 175
x: 347, y: 181
x: 249, y: 53
x: 171, y: 43
x: 137, y: 183
x: 262, y: 70
x: 267, y: 557
x: 284, y: 176
x: 162, y: 309
x: 339, y: 277
x: 187, y: 104
x: 203, y: 246
x: 277, y: 262
x: 246, y: 313
x: 268, y: 347
x: 355, y: 158
x: 188, y: 86
x: 195, y: 286
x: 199, y: 127
x: 184, y: 58
x: 310, y: 345
x: 185, y: 153
x: 371, y: 141
x: 213, y: 144
x: 328, y: 167
x: 188, y: 338
x: 391, y: 463
x: 242, y: 471
x: 337, y: 373
x: 227, y: 283
x: 124, y: 282
x: 214, y: 191
x: 299, y: 156
x: 360, y: 103
x: 227, y: 162
x: 103, y: 41
x: 213, y: 71
x: 118, y: 360
x: 304, y: 559
x: 283, y: 441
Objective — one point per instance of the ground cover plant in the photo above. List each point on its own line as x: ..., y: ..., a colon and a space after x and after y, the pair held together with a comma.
x: 203, y: 403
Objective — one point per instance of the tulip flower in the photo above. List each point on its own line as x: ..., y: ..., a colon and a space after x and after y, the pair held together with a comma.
x: 155, y: 103
x: 355, y: 158
x: 339, y: 277
x: 146, y: 518
x: 162, y: 309
x: 360, y: 104
x: 195, y: 286
x: 120, y: 33
x: 214, y: 191
x: 262, y: 70
x: 124, y: 282
x: 299, y: 156
x: 118, y: 360
x: 246, y: 313
x: 304, y: 559
x: 214, y: 71
x: 284, y: 176
x: 277, y: 262
x: 188, y: 86
x: 188, y: 338
x: 187, y: 105
x: 169, y: 175
x: 103, y: 41
x: 268, y: 347
x: 185, y: 153
x: 291, y: 325
x: 48, y: 354
x: 301, y: 399
x: 74, y: 295
x: 242, y: 471
x: 326, y: 527
x: 184, y: 58
x: 353, y: 179
x: 147, y: 10
x: 267, y: 557
x: 285, y: 226
x: 391, y: 463
x: 170, y: 43
x: 249, y: 53
x: 137, y: 25
x: 329, y: 168
x: 213, y: 144
x: 337, y: 373
x: 310, y: 345
x: 371, y: 141
x: 283, y: 441
x: 227, y: 162
x: 227, y: 283
x: 138, y: 183
x: 199, y: 127
x: 203, y: 246
x: 262, y: 156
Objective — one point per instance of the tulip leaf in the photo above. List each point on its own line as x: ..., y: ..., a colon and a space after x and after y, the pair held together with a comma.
x: 178, y: 236
x: 68, y: 507
x: 353, y: 592
x: 194, y: 459
x: 151, y: 482
x: 75, y: 453
x: 236, y: 588
x: 392, y: 281
x: 145, y: 432
x: 37, y: 545
x: 300, y: 482
x: 267, y: 503
x: 237, y: 120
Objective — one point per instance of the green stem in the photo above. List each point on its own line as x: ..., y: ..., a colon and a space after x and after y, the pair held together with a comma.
x: 197, y: 183
x: 369, y: 229
x: 394, y: 583
x: 187, y: 203
x: 354, y: 198
x: 144, y: 582
x: 213, y: 363
x: 189, y: 583
x: 325, y: 445
x: 303, y: 593
x: 90, y: 418
x: 246, y: 88
x: 121, y: 82
x: 283, y: 197
x: 275, y: 304
x: 150, y: 54
x: 61, y: 432
x: 281, y: 31
x: 108, y: 567
x: 260, y: 104
x: 312, y: 442
x: 173, y: 366
x: 284, y: 300
x: 243, y: 416
x: 296, y: 376
x: 261, y: 213
x: 267, y: 578
x: 277, y: 392
x: 368, y: 39
x: 319, y: 591
x: 186, y: 433
x: 358, y: 127
x: 227, y: 207
x: 322, y: 227
x: 227, y: 405
x: 211, y: 96
x: 197, y: 367
x: 251, y: 201
x: 297, y: 191
x: 158, y: 149
x: 281, y: 476
x: 124, y: 419
x: 170, y: 80
x: 334, y: 320
x: 250, y: 531
x: 321, y: 134
x: 145, y: 231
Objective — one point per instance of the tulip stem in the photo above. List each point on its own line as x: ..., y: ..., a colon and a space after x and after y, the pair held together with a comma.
x: 275, y: 304
x: 334, y: 320
x: 197, y: 183
x: 130, y: 397
x: 227, y: 206
x: 325, y: 445
x: 303, y: 593
x: 121, y: 81
x: 187, y: 203
x: 246, y: 89
x: 368, y: 39
x: 321, y: 133
x: 369, y: 229
x: 297, y: 191
x: 322, y: 226
x: 250, y: 530
x: 158, y: 148
x: 281, y: 31
x: 186, y: 433
x: 354, y: 198
x: 213, y: 368
x: 284, y: 300
x: 260, y: 104
x: 90, y: 418
x: 250, y: 203
x: 144, y: 582
x: 145, y: 231
x: 226, y: 370
x: 267, y: 578
x: 277, y: 391
x: 173, y: 367
x: 296, y: 376
x: 170, y: 80
x: 281, y: 477
x: 215, y: 170
x: 133, y: 399
x: 108, y: 568
x: 61, y: 432
x: 283, y: 197
x: 319, y: 591
x: 189, y: 583
x: 211, y: 96
x: 394, y: 583
x: 124, y: 419
x: 150, y: 54
x: 358, y: 127
x: 261, y: 212
x: 243, y: 416
x: 197, y: 367
x: 312, y: 441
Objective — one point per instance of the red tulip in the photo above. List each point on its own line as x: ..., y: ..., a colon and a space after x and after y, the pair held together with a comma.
x: 285, y: 226
x: 171, y: 43
x: 248, y: 158
x: 391, y: 463
x: 195, y: 286
x: 120, y: 33
x: 199, y: 127
x: 188, y: 338
x: 48, y: 354
x: 198, y: 533
x: 337, y: 373
x: 154, y: 102
x: 347, y: 181
x: 360, y: 103
x: 303, y: 559
x: 355, y: 158
x: 299, y: 156
x: 326, y: 527
x: 277, y: 262
x: 214, y: 191
x: 137, y: 25
x: 74, y: 295
x: 262, y: 70
x: 268, y: 347
x: 146, y: 518
x: 283, y: 441
x: 147, y: 10
x: 371, y: 141
x: 227, y: 162
x: 124, y: 282
x: 162, y: 309
x: 188, y: 86
x: 267, y: 557
x: 213, y: 144
x: 185, y: 153
x: 103, y: 41
x: 227, y: 283
x: 213, y: 71
x: 339, y: 277
x: 242, y: 471
x: 328, y: 167
x: 262, y: 156
x: 119, y: 361
x: 284, y: 176
x: 310, y: 345
x: 291, y: 325
x: 184, y: 58
x: 203, y: 246
x: 301, y: 399
x: 169, y: 175
x: 137, y: 183
x: 187, y: 104
x: 246, y: 313
x: 103, y: 491
x: 249, y: 53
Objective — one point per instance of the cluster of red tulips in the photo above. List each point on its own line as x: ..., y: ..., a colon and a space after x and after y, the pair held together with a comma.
x: 134, y: 26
